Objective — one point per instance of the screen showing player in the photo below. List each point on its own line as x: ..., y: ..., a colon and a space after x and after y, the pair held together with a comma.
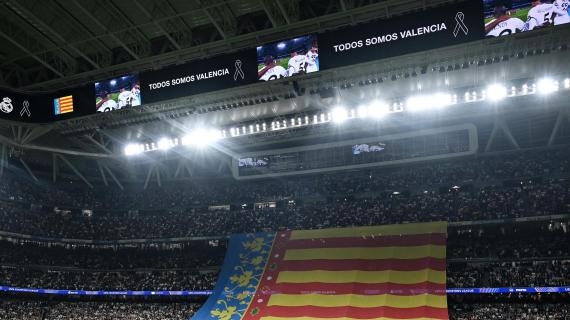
x: 506, y: 17
x: 119, y: 93
x: 288, y: 58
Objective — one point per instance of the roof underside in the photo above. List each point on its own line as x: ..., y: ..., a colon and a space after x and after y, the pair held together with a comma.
x: 57, y: 43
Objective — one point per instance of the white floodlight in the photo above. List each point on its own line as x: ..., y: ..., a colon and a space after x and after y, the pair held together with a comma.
x: 546, y: 86
x: 496, y: 92
x: 362, y: 111
x: 339, y: 115
x: 201, y: 137
x: 133, y: 149
x: 164, y: 144
x: 440, y: 100
x: 427, y: 102
x: 377, y: 110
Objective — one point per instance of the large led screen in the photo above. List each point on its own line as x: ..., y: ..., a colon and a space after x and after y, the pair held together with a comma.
x: 288, y: 58
x: 118, y: 93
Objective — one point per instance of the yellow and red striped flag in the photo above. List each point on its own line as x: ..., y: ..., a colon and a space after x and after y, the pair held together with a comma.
x: 380, y: 273
x: 63, y: 105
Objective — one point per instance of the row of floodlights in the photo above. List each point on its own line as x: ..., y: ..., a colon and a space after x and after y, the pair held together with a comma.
x: 199, y: 139
x: 375, y: 110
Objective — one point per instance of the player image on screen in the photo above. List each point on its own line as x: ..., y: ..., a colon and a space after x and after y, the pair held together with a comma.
x: 541, y: 15
x: 287, y: 58
x: 106, y: 103
x: 271, y: 70
x: 119, y: 93
x: 562, y: 10
x: 503, y: 23
x: 297, y: 64
x: 313, y: 58
x: 503, y: 17
x: 136, y: 95
x: 125, y: 98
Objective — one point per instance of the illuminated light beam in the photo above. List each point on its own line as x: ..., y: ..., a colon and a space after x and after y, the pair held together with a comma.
x: 546, y: 86
x: 339, y: 115
x: 496, y: 92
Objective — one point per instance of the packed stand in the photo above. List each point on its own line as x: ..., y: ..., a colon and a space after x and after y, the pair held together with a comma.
x: 181, y: 255
x: 519, y: 185
x: 22, y: 310
x: 510, y: 241
x: 512, y: 311
x: 546, y: 306
x: 547, y: 197
x: 179, y: 280
x: 484, y: 170
x: 548, y: 273
x: 492, y: 255
x: 36, y: 310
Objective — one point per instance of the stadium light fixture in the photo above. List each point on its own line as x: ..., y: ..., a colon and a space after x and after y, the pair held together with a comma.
x: 377, y: 110
x: 165, y: 144
x: 187, y: 140
x: 374, y: 110
x: 546, y: 86
x: 427, y: 102
x: 416, y: 103
x: 201, y: 138
x: 133, y: 149
x: 362, y: 111
x: 441, y: 100
x: 496, y: 92
x: 339, y: 115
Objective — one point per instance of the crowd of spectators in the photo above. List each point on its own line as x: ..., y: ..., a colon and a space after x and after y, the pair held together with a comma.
x: 531, y: 198
x: 511, y: 311
x: 545, y: 306
x: 36, y: 310
x: 21, y: 310
x: 510, y: 241
x: 171, y: 280
x: 548, y: 273
x: 181, y: 255
x: 482, y: 170
x: 545, y: 273
x: 493, y: 255
x: 30, y: 310
x: 487, y: 188
x: 530, y: 184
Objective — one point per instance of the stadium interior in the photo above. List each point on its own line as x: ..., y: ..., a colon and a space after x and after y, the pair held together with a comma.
x: 150, y: 167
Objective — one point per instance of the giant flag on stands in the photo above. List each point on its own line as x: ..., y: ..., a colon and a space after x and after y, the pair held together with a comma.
x: 380, y: 273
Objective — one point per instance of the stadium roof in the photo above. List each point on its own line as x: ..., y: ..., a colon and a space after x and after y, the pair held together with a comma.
x: 47, y: 49
x: 54, y: 44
